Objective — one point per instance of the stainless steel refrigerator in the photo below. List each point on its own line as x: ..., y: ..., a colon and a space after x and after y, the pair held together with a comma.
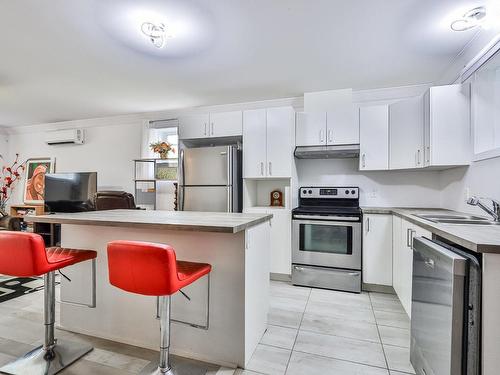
x: 210, y: 179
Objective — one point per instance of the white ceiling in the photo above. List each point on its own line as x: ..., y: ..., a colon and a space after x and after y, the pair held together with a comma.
x: 63, y: 60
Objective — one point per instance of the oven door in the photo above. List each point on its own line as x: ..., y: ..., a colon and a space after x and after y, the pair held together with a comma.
x: 327, y: 243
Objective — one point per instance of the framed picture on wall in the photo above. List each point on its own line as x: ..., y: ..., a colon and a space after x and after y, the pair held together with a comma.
x: 34, y: 183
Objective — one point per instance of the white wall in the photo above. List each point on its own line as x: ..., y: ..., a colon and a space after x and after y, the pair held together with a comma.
x: 108, y: 150
x: 377, y: 188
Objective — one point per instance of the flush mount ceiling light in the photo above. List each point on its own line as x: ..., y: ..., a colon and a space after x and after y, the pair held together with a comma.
x: 155, y: 32
x: 469, y: 20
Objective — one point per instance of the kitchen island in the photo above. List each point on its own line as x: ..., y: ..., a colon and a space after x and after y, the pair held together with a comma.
x: 236, y: 245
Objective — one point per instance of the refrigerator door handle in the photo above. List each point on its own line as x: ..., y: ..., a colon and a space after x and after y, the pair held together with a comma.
x: 181, y: 168
x: 181, y: 198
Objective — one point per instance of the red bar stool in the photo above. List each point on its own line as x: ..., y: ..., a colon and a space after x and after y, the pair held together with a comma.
x: 24, y: 255
x: 152, y: 269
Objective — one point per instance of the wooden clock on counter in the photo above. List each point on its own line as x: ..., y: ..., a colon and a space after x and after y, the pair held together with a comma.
x: 276, y: 198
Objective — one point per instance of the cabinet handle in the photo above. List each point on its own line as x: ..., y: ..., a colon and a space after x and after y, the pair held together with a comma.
x: 262, y: 168
x: 321, y: 136
x: 270, y: 169
x: 363, y: 160
x: 428, y: 154
x: 418, y: 157
x: 212, y: 124
x: 330, y: 136
x: 367, y: 224
x: 205, y: 132
x: 409, y: 237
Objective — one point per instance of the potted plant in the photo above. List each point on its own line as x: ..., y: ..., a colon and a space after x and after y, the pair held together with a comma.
x: 162, y: 148
x: 8, y: 180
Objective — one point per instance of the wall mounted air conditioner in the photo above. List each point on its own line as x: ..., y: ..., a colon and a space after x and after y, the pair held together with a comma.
x: 69, y: 136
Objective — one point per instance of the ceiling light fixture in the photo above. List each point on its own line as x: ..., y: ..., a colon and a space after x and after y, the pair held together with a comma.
x: 469, y: 20
x: 155, y: 32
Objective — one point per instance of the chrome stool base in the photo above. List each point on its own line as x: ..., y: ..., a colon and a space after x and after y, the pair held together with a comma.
x: 44, y: 362
x: 153, y: 369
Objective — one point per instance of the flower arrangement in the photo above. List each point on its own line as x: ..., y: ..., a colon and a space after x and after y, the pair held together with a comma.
x: 162, y: 148
x: 8, y: 180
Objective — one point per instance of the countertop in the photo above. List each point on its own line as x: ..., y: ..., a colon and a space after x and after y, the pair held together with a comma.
x: 477, y: 238
x: 169, y: 220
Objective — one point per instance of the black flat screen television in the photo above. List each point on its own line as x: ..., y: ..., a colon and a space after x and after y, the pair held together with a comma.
x: 70, y: 192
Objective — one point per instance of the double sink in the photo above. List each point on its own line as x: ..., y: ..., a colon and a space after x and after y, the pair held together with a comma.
x: 457, y: 219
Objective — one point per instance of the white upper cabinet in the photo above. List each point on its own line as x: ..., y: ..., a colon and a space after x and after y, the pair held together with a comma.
x: 226, y: 124
x: 328, y: 119
x: 280, y: 141
x: 254, y: 143
x: 311, y: 129
x: 447, y: 129
x: 406, y: 124
x: 374, y: 137
x: 194, y: 126
x: 219, y: 124
x: 342, y: 129
x: 268, y: 140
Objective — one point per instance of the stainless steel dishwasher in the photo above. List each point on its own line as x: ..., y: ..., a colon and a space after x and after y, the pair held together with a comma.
x: 445, y: 320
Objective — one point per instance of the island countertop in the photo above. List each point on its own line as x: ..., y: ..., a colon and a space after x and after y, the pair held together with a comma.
x: 221, y: 222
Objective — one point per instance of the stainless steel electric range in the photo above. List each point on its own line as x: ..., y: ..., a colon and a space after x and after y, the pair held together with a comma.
x: 326, y: 238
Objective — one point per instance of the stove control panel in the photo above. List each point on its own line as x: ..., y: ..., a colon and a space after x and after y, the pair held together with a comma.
x: 344, y: 192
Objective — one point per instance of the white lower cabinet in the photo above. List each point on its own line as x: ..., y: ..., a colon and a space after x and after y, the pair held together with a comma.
x: 281, y: 241
x: 377, y: 249
x: 403, y: 234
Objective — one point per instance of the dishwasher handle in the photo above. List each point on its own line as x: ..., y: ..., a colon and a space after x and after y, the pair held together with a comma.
x: 433, y: 254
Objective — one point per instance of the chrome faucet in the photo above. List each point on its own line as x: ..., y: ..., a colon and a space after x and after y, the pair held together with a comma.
x: 495, y: 212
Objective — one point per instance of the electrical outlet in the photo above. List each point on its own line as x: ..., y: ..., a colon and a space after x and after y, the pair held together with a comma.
x: 373, y: 194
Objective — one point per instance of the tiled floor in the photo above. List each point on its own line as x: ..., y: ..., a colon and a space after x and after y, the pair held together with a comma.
x: 332, y: 333
x: 310, y: 331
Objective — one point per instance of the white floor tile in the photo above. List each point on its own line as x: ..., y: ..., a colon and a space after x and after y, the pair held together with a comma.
x: 281, y: 337
x: 338, y: 311
x: 284, y: 318
x: 340, y: 327
x: 359, y: 351
x: 398, y: 359
x: 392, y: 319
x: 269, y: 360
x: 302, y: 363
x: 395, y: 336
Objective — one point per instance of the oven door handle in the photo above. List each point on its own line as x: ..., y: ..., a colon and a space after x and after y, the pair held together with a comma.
x: 326, y: 218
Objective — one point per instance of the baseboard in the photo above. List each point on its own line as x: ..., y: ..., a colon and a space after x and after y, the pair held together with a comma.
x: 378, y: 288
x: 281, y: 277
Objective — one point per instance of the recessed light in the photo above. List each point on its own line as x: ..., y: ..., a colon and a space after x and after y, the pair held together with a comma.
x: 155, y: 32
x: 469, y: 20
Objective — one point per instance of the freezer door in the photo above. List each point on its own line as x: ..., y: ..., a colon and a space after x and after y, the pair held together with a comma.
x: 206, y: 198
x: 206, y: 166
x: 437, y: 309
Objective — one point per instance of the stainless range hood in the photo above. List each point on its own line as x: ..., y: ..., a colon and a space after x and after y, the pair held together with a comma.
x: 327, y: 152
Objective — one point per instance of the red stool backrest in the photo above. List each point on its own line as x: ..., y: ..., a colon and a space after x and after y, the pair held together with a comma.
x: 143, y: 268
x: 22, y: 254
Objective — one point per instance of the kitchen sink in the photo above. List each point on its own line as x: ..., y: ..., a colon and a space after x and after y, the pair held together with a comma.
x: 457, y: 219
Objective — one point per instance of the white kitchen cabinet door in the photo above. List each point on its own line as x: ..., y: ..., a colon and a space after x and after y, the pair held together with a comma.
x: 406, y: 266
x: 194, y: 126
x: 448, y: 140
x: 254, y: 143
x: 397, y: 243
x: 280, y: 141
x: 377, y: 249
x: 374, y: 137
x: 406, y: 126
x: 281, y: 246
x: 226, y: 124
x: 310, y: 129
x: 341, y: 126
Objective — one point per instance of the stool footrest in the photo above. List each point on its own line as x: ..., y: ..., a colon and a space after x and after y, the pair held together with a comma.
x: 43, y: 362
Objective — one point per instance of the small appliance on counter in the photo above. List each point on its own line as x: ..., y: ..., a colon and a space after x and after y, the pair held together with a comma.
x: 326, y: 238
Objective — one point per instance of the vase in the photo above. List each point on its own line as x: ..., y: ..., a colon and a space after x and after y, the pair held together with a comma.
x: 163, y: 155
x: 3, y: 208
